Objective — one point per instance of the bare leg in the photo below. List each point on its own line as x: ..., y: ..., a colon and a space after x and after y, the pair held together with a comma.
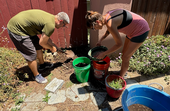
x: 124, y: 66
x: 33, y: 66
x: 128, y: 50
x: 40, y: 56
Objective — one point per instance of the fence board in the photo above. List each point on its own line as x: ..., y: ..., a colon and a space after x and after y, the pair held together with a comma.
x: 12, y: 7
x: 70, y: 13
x: 42, y: 4
x: 143, y: 8
x: 4, y: 40
x: 167, y: 27
x: 151, y: 13
x: 27, y: 4
x: 19, y: 5
x: 164, y: 16
x: 157, y: 23
x: 4, y: 11
x: 64, y: 7
x: 4, y: 18
x: 57, y: 32
x: 60, y: 31
x: 34, y: 4
x: 2, y: 35
x: 134, y: 6
x: 50, y: 6
x: 76, y: 24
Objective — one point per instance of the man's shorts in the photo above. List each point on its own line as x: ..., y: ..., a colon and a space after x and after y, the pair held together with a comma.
x: 26, y: 45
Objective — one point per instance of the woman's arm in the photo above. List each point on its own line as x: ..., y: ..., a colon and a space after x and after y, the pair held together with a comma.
x: 103, y: 37
x: 116, y: 36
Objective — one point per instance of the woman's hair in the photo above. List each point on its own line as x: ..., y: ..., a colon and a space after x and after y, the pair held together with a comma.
x: 91, y: 18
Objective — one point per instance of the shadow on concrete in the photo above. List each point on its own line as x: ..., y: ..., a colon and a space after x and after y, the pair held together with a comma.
x: 96, y: 86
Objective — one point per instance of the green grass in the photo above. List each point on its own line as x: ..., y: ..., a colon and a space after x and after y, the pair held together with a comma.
x: 46, y: 98
x: 15, y: 109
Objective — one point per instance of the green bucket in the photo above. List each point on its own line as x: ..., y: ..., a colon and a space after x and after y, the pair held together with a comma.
x: 82, y: 73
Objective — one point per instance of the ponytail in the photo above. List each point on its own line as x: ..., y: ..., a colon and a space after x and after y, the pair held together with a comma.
x: 91, y: 18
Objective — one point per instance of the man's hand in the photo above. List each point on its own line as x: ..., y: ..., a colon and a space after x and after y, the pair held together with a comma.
x: 53, y: 49
x: 60, y: 50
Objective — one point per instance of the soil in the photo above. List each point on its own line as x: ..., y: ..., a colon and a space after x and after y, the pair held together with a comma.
x: 95, y: 54
x: 81, y: 64
x: 63, y: 69
x: 139, y: 107
x: 101, y: 62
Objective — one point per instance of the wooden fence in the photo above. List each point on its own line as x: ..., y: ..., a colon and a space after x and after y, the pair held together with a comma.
x: 157, y: 14
x: 73, y: 36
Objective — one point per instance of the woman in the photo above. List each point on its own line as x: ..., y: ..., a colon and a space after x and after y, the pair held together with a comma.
x: 134, y: 26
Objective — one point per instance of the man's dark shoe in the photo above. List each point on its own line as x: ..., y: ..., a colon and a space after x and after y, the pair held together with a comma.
x: 44, y: 66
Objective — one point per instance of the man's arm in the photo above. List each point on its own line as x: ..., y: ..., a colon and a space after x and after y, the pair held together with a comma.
x: 50, y: 42
x: 44, y: 42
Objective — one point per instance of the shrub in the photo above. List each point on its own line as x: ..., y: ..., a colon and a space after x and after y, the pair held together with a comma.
x: 152, y: 58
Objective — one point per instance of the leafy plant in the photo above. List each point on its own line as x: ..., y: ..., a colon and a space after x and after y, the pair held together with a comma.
x: 15, y: 109
x: 167, y: 78
x: 14, y: 95
x: 18, y: 101
x: 46, y: 97
x: 152, y: 58
x: 116, y: 83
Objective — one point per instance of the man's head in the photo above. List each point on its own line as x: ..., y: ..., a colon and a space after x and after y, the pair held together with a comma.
x: 62, y: 19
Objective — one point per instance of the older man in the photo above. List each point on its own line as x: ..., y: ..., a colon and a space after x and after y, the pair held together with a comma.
x: 23, y: 29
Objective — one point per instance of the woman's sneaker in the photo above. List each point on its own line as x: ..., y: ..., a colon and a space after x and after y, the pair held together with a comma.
x: 40, y: 79
x: 44, y: 66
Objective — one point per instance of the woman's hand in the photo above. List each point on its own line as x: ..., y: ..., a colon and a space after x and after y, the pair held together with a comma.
x: 101, y: 55
x: 98, y: 43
